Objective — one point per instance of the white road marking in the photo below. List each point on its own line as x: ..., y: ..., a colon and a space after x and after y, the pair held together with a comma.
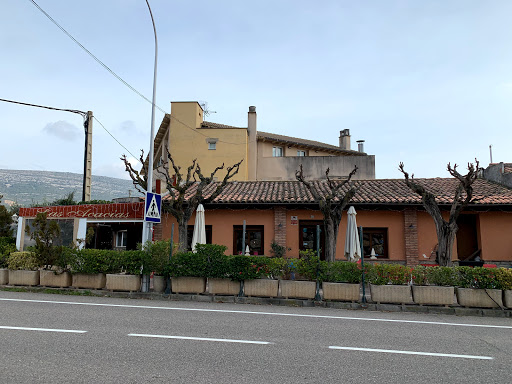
x: 263, y: 313
x: 201, y: 339
x: 42, y: 329
x: 413, y: 353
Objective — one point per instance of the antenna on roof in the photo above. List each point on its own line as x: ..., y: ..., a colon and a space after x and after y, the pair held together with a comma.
x: 206, y: 111
x: 490, y: 151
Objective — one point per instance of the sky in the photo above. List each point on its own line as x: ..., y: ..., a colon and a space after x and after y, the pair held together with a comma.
x: 422, y: 82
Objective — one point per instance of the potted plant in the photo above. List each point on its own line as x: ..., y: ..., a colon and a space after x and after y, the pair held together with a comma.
x: 306, y: 270
x: 256, y: 275
x: 504, y: 278
x: 433, y: 285
x: 478, y: 287
x: 23, y: 268
x: 7, y: 245
x: 89, y: 266
x: 389, y: 283
x: 125, y: 270
x: 187, y: 271
x: 341, y: 281
x: 217, y: 270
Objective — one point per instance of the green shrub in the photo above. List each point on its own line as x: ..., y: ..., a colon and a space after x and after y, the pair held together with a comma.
x: 7, y: 245
x: 129, y: 262
x: 157, y: 256
x: 216, y: 262
x: 187, y: 264
x: 477, y: 277
x: 308, y: 265
x: 382, y: 274
x: 23, y: 260
x: 92, y: 261
x: 504, y: 277
x: 340, y: 272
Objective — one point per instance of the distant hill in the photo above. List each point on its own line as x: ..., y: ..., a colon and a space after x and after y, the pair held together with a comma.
x: 29, y: 187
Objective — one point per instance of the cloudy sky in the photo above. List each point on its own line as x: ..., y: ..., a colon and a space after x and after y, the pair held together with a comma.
x: 423, y: 82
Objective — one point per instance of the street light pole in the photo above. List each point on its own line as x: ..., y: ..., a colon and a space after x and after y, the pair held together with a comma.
x: 147, y: 227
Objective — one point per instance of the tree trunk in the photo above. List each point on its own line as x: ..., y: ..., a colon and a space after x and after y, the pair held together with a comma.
x: 182, y: 235
x: 446, y: 236
x: 331, y: 232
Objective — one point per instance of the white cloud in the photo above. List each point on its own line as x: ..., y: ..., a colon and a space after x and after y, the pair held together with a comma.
x: 63, y: 130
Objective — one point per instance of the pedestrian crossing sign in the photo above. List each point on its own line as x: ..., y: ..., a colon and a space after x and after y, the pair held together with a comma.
x: 153, y: 209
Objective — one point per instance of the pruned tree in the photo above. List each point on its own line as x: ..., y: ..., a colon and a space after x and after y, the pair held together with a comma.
x: 139, y: 178
x: 5, y: 220
x: 182, y: 206
x: 463, y: 195
x: 332, y: 201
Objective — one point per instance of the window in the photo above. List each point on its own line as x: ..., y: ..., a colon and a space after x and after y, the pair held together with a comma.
x: 308, y: 236
x: 121, y: 238
x: 253, y: 239
x: 301, y: 153
x: 212, y: 143
x: 277, y: 151
x: 190, y: 233
x: 376, y: 239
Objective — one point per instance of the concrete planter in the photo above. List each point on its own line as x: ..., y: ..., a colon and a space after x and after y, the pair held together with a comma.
x: 298, y: 289
x: 95, y: 281
x: 261, y: 287
x: 4, y: 276
x: 29, y: 278
x: 480, y: 298
x: 223, y: 287
x: 507, y: 296
x: 116, y: 282
x: 433, y: 295
x: 158, y: 284
x: 341, y: 291
x: 51, y: 279
x: 397, y: 294
x: 188, y: 284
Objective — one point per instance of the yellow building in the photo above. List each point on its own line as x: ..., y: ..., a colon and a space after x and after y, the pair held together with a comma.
x: 266, y: 156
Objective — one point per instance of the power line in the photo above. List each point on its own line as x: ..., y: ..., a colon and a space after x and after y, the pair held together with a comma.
x: 116, y: 139
x: 94, y: 57
x: 82, y: 113
x: 119, y: 77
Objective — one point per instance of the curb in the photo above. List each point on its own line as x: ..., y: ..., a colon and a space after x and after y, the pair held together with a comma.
x: 278, y: 301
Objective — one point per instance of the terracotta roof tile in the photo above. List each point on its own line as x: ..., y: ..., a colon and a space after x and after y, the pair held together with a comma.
x: 382, y: 191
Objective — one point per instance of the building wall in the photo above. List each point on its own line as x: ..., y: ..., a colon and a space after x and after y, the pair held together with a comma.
x: 495, y: 236
x: 188, y: 141
x: 497, y: 174
x: 283, y: 168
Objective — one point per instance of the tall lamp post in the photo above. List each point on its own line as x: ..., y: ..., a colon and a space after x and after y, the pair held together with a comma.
x: 148, y: 226
x: 146, y: 232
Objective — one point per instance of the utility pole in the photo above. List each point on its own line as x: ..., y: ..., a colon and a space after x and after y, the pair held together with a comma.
x: 86, y: 191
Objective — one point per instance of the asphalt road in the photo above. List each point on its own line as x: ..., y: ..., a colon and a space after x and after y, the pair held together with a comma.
x: 81, y: 339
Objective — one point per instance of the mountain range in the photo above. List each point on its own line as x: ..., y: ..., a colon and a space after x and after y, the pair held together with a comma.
x: 32, y: 187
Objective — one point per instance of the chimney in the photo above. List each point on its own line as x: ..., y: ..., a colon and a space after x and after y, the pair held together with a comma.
x: 252, y: 147
x: 345, y: 139
x: 360, y: 145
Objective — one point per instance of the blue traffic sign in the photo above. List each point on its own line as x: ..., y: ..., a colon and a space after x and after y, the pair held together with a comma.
x: 153, y: 211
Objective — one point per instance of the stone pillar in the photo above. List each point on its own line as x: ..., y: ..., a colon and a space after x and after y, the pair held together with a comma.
x: 280, y: 226
x: 252, y: 155
x: 411, y: 237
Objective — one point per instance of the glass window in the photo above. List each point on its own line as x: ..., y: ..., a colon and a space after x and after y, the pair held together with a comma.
x: 212, y: 146
x: 376, y: 239
x: 253, y: 239
x: 277, y: 151
x: 301, y: 153
x: 121, y: 239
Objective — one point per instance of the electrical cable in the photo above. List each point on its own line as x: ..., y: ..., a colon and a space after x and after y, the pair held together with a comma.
x: 82, y: 113
x: 99, y: 122
x: 119, y: 77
